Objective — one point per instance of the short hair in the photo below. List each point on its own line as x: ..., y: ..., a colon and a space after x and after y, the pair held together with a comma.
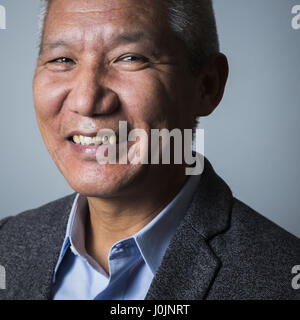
x: 193, y: 21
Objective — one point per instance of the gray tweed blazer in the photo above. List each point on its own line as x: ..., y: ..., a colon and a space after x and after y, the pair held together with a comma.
x: 222, y: 250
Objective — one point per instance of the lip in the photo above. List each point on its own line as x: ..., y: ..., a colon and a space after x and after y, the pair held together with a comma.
x: 89, y: 152
x: 86, y: 134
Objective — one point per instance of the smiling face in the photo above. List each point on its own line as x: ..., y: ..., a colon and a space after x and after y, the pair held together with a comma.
x: 102, y: 62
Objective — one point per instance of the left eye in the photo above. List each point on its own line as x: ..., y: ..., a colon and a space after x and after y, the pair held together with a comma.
x: 133, y: 58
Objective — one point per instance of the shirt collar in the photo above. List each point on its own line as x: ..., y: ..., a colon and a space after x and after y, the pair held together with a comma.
x: 152, y: 240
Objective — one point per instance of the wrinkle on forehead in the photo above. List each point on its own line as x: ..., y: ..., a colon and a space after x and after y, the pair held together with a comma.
x: 110, y: 12
x: 81, y: 20
x: 104, y: 7
x: 107, y: 32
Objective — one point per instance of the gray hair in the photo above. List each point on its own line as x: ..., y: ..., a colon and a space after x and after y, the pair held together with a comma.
x: 193, y: 21
x: 42, y: 17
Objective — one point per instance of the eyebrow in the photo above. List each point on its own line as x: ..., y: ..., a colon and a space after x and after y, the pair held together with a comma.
x: 129, y: 37
x: 123, y: 38
x: 55, y: 44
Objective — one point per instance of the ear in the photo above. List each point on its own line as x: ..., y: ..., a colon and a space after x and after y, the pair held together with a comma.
x: 211, y: 84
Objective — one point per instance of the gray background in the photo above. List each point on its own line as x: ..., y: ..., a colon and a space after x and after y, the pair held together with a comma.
x: 251, y: 139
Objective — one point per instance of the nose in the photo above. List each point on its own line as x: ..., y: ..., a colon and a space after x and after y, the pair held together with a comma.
x: 90, y: 97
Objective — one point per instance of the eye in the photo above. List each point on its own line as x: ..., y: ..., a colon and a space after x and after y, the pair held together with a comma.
x: 62, y: 60
x: 61, y: 64
x: 133, y: 58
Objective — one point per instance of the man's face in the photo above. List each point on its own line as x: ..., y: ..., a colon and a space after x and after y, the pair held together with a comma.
x: 103, y: 62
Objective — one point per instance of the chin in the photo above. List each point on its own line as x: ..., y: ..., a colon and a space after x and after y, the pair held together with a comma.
x: 106, y: 182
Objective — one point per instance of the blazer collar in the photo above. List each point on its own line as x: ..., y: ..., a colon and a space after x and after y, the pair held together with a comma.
x: 189, y: 265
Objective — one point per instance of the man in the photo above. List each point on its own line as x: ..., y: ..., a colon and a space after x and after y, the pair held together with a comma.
x: 136, y: 230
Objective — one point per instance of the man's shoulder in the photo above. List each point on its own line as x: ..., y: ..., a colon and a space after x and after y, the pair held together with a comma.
x: 30, y: 243
x: 246, y: 223
x: 46, y: 214
x: 258, y: 253
x: 252, y: 237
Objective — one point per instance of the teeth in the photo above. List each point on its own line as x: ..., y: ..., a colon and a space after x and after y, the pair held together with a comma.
x: 105, y: 139
x: 86, y: 141
x: 82, y: 140
x: 113, y: 140
x: 98, y: 140
x: 76, y: 139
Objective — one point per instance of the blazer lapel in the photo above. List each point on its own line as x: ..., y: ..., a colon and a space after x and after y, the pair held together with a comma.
x: 189, y: 266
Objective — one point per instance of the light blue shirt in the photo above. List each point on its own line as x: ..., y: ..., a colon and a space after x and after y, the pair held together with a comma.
x: 133, y: 262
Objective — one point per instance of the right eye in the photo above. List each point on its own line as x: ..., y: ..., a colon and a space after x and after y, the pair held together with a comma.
x: 61, y: 64
x: 62, y: 60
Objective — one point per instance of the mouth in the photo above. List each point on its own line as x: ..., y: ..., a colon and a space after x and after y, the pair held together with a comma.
x: 88, y: 145
x: 96, y: 140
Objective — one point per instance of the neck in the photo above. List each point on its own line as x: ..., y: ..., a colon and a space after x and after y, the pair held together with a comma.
x: 113, y: 219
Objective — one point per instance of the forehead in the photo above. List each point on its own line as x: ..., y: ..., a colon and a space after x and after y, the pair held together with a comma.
x: 81, y: 19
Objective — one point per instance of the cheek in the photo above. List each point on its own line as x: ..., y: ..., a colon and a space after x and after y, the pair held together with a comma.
x: 49, y: 94
x: 147, y: 100
x: 48, y: 99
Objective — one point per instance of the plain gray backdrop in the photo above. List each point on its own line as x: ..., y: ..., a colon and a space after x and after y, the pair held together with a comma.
x: 252, y: 139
